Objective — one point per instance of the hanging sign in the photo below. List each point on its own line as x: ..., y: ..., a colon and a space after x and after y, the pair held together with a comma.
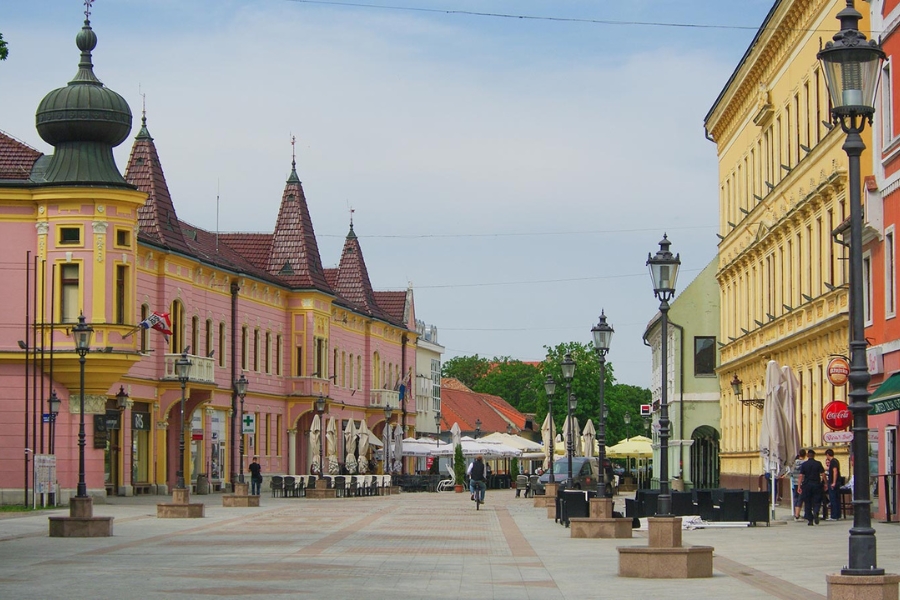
x: 836, y: 415
x: 837, y: 437
x: 248, y: 424
x: 838, y: 371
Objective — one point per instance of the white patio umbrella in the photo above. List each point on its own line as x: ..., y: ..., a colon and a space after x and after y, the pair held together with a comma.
x: 456, y: 433
x: 315, y: 431
x: 791, y: 434
x: 362, y: 437
x: 576, y: 436
x: 588, y: 437
x: 548, y: 430
x: 331, y: 447
x: 350, y: 446
x: 772, y: 443
x: 397, y: 457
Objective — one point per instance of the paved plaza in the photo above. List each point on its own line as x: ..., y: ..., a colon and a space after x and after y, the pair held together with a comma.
x: 423, y: 545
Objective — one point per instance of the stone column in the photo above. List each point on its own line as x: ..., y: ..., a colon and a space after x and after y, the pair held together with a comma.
x: 292, y: 451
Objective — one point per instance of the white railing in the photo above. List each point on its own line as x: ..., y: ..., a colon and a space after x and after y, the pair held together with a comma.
x: 203, y: 370
x: 382, y: 398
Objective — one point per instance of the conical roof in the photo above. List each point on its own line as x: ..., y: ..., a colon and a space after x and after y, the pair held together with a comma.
x: 295, y: 253
x: 157, y: 220
x: 352, y: 282
x: 84, y: 121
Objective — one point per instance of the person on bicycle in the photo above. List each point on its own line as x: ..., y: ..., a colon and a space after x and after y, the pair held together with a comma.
x: 476, y: 478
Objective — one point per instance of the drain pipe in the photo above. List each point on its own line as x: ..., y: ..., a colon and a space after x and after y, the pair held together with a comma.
x: 235, y: 288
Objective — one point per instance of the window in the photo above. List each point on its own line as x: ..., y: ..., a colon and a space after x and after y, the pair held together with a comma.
x: 209, y: 339
x: 890, y: 274
x: 123, y: 238
x: 268, y: 357
x: 278, y: 357
x: 221, y: 344
x: 887, y: 109
x: 177, y: 316
x: 704, y: 356
x: 69, y: 236
x: 321, y: 366
x: 376, y: 371
x: 335, y: 367
x: 145, y: 312
x: 195, y: 335
x: 436, y: 383
x: 69, y: 284
x: 299, y: 366
x: 256, y: 350
x: 867, y: 288
x: 244, y: 344
x: 358, y: 372
x: 121, y: 294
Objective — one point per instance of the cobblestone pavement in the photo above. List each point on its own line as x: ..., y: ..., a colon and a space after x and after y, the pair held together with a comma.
x: 422, y: 545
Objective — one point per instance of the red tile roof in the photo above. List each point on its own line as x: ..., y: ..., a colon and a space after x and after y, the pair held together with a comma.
x: 254, y: 247
x: 353, y: 280
x: 393, y: 303
x: 16, y: 158
x: 157, y: 219
x: 461, y: 405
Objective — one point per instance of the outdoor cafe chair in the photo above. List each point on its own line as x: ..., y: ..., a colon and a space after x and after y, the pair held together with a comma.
x: 340, y: 490
x: 277, y: 485
x: 290, y: 487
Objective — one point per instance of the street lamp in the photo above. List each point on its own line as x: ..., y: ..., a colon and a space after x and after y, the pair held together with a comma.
x: 388, y: 411
x: 852, y: 65
x: 627, y: 419
x: 82, y: 334
x: 54, y: 403
x: 437, y: 426
x: 602, y: 333
x: 568, y: 372
x: 240, y: 386
x: 570, y: 438
x: 477, y: 428
x: 550, y: 388
x: 320, y: 410
x: 664, y: 271
x: 183, y: 371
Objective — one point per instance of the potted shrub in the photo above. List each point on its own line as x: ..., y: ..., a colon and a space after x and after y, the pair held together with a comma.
x: 459, y: 468
x: 513, y: 471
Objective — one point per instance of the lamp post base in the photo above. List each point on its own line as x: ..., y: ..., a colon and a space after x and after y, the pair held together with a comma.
x: 81, y: 521
x: 665, y: 557
x: 863, y: 587
x: 180, y: 507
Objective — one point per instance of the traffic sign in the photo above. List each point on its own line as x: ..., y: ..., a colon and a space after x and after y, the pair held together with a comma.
x: 248, y: 424
x: 837, y: 437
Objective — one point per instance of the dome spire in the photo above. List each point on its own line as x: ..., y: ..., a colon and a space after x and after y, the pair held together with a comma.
x: 293, y: 178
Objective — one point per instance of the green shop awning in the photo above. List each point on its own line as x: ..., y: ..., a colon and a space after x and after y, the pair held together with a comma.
x: 887, y: 397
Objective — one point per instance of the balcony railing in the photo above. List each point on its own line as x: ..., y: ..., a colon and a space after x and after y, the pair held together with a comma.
x: 382, y: 398
x: 203, y: 370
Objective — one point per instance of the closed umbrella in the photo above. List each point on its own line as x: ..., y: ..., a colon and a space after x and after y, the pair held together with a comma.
x: 792, y: 393
x: 548, y: 430
x: 350, y: 446
x: 362, y: 437
x: 315, y: 431
x: 588, y: 436
x: 772, y: 446
x: 331, y: 447
x: 456, y: 434
x: 397, y: 457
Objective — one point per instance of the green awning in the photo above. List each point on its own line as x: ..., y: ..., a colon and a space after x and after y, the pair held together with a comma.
x: 887, y: 397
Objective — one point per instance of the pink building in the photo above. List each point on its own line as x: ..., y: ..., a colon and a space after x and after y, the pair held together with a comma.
x: 81, y: 238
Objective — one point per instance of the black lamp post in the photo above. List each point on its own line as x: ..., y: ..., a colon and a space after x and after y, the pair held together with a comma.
x: 320, y: 410
x: 183, y: 371
x: 627, y: 420
x: 568, y: 372
x: 550, y: 388
x: 477, y: 428
x: 54, y: 403
x: 437, y: 426
x: 388, y: 411
x: 852, y: 65
x: 240, y: 387
x: 602, y: 333
x: 664, y: 271
x: 82, y: 334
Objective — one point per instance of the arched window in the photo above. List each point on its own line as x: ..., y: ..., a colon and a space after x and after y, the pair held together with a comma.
x: 177, y: 316
x: 145, y: 344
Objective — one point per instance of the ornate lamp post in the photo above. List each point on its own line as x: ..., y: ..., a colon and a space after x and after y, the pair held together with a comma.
x: 568, y: 372
x: 82, y: 334
x: 388, y: 411
x: 437, y: 426
x: 550, y: 388
x: 627, y: 420
x: 54, y: 403
x: 240, y: 387
x: 320, y: 410
x: 852, y: 65
x: 602, y: 333
x: 477, y: 428
x: 183, y: 371
x: 664, y: 272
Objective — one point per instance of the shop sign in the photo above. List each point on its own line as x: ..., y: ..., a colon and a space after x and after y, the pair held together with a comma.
x: 838, y: 371
x: 836, y: 415
x: 140, y: 421
x: 837, y: 437
x: 196, y: 434
x: 879, y: 407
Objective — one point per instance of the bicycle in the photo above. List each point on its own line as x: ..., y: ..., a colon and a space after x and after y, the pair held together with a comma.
x: 479, y: 488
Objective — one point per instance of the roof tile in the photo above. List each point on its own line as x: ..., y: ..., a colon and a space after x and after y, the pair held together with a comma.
x: 16, y: 158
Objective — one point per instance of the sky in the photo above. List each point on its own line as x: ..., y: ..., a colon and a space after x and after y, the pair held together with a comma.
x: 516, y: 172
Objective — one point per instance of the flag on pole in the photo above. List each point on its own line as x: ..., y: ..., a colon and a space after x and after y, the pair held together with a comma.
x: 158, y: 321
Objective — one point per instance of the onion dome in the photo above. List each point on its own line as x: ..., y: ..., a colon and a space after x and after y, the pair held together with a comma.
x: 84, y: 121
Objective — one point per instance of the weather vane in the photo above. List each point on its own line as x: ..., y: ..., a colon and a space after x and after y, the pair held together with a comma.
x: 352, y: 210
x: 293, y: 149
x: 87, y: 8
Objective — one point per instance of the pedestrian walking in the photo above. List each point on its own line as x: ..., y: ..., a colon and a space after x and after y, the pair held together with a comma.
x: 795, y: 482
x: 255, y: 476
x: 811, y: 473
x: 833, y: 481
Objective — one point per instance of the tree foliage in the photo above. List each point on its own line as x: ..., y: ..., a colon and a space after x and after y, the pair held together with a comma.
x: 522, y: 385
x: 4, y: 50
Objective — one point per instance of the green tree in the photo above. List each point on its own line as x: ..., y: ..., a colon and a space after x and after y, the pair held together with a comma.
x: 467, y: 369
x: 516, y: 382
x: 459, y: 465
x: 4, y: 50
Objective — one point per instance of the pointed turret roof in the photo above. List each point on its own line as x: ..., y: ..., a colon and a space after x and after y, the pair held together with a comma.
x: 353, y: 283
x: 295, y: 253
x: 16, y: 158
x: 158, y: 222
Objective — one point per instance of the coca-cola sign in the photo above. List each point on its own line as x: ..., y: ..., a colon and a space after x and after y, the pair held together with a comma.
x: 836, y: 415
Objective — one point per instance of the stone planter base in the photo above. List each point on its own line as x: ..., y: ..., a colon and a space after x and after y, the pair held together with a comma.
x: 81, y: 521
x: 180, y: 507
x: 600, y: 528
x: 319, y: 494
x: 666, y: 563
x: 863, y: 587
x: 238, y: 501
x: 544, y: 501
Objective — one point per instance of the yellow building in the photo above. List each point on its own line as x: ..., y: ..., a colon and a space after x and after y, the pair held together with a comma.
x: 782, y: 194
